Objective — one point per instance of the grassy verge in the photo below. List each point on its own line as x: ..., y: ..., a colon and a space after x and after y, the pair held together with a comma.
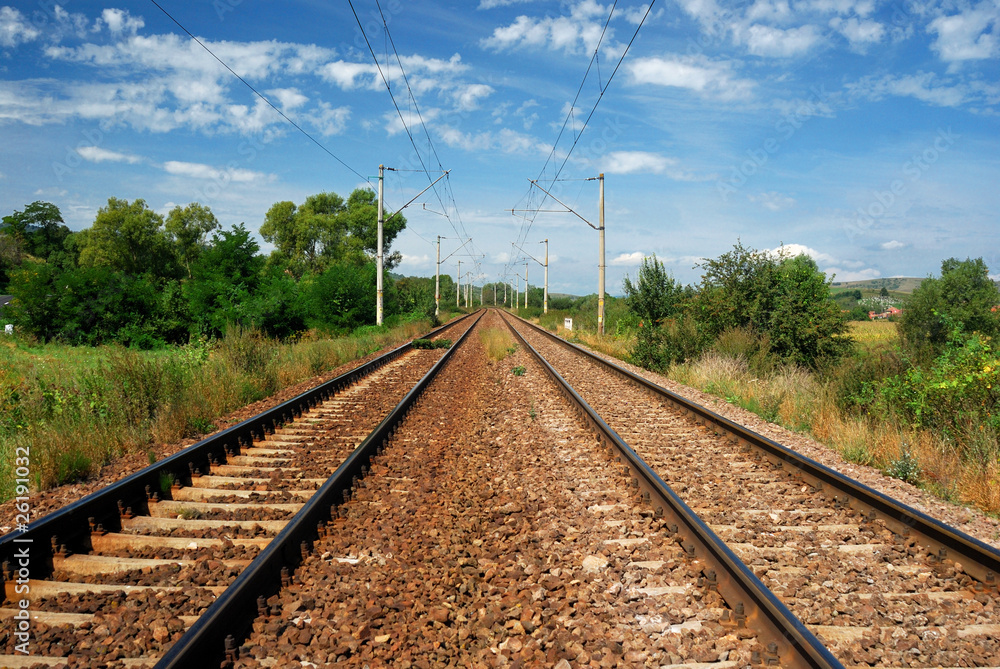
x: 75, y: 409
x: 959, y: 465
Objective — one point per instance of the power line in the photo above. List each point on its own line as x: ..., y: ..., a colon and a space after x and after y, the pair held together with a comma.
x: 406, y: 128
x: 526, y: 221
x: 258, y: 93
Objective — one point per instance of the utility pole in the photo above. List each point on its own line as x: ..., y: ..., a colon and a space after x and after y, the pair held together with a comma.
x: 437, y: 282
x: 458, y: 286
x: 526, y: 286
x: 378, y: 265
x: 494, y: 294
x: 517, y: 290
x: 600, y: 259
x: 545, y: 303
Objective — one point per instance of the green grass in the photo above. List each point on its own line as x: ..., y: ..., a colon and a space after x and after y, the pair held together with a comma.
x: 75, y: 409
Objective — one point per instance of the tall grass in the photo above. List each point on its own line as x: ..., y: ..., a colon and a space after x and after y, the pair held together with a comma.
x: 76, y: 412
x: 498, y: 343
x: 960, y: 464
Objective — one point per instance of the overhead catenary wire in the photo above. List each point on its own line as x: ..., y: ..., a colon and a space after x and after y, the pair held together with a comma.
x: 259, y: 94
x: 460, y: 228
x: 527, y: 220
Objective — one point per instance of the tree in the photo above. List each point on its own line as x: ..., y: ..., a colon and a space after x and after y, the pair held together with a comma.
x: 325, y: 230
x: 225, y: 278
x: 963, y: 296
x: 11, y: 256
x: 884, y: 292
x: 188, y: 229
x: 39, y: 229
x: 786, y: 299
x: 128, y: 237
x: 656, y: 295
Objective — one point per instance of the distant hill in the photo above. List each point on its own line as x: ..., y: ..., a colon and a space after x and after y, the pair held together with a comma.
x: 899, y: 284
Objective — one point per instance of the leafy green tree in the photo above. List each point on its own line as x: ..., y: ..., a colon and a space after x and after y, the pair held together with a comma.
x: 655, y: 295
x: 787, y: 299
x: 325, y: 230
x: 225, y: 278
x: 39, y: 228
x: 805, y: 325
x: 964, y: 295
x: 130, y: 238
x: 11, y: 257
x: 92, y: 305
x: 188, y: 229
x: 278, y: 307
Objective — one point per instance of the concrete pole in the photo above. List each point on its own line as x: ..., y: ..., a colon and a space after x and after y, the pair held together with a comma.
x: 494, y: 294
x: 600, y: 260
x: 378, y: 264
x: 526, y: 286
x: 458, y: 286
x: 545, y: 304
x: 517, y: 290
x: 437, y: 282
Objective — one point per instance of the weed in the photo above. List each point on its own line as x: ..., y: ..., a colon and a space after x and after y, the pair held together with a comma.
x: 189, y: 514
x: 905, y: 467
x: 431, y: 343
x: 518, y: 371
x: 531, y: 412
x: 497, y: 342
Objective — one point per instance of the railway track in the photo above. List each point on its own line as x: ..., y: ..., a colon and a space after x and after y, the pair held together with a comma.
x: 474, y: 526
x: 488, y: 534
x: 163, y: 566
x: 877, y: 582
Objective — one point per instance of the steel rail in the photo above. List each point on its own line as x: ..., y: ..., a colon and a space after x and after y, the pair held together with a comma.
x: 214, y: 635
x: 787, y: 639
x: 71, y: 526
x: 978, y: 559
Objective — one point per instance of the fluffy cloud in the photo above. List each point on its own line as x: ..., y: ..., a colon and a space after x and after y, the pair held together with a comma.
x: 762, y: 40
x: 858, y: 32
x: 220, y: 175
x: 832, y: 267
x: 628, y: 259
x: 892, y: 245
x: 14, y: 28
x: 96, y: 154
x: 923, y: 86
x: 696, y: 74
x: 579, y: 32
x: 968, y: 35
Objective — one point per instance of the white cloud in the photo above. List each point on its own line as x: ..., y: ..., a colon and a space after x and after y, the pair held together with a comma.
x: 628, y: 259
x: 467, y: 97
x: 832, y: 267
x: 772, y: 201
x: 967, y: 36
x: 893, y: 245
x: 696, y: 74
x: 577, y: 33
x: 490, y: 4
x: 858, y: 32
x: 923, y: 86
x: 630, y: 162
x: 120, y: 22
x: 330, y: 120
x: 795, y: 250
x: 14, y: 28
x: 288, y: 98
x: 764, y: 40
x: 223, y: 175
x: 838, y: 274
x: 416, y: 261
x: 96, y: 154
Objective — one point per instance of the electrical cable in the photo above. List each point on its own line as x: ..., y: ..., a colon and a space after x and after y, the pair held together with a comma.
x: 259, y: 94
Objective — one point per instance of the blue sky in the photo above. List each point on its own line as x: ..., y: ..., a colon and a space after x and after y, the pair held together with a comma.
x: 864, y: 133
